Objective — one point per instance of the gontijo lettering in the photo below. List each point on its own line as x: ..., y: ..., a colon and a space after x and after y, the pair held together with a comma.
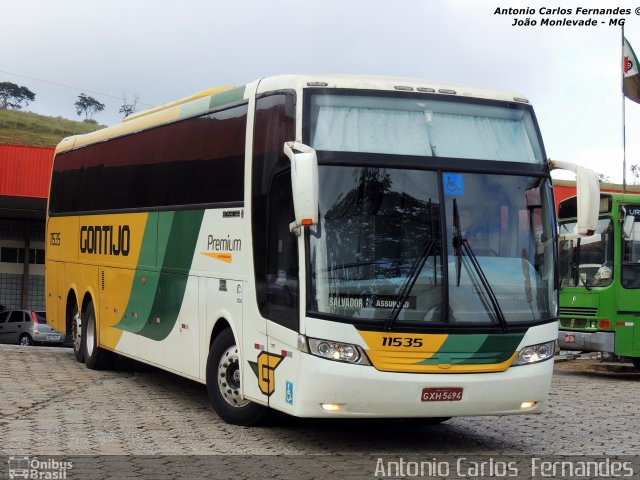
x: 105, y: 239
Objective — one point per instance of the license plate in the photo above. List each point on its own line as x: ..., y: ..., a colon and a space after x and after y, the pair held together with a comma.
x: 569, y: 338
x: 53, y: 337
x: 442, y: 394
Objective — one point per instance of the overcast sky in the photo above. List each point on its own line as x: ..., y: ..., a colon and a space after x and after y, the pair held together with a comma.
x: 163, y: 51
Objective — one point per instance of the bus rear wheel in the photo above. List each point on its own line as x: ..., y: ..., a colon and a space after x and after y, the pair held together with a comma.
x: 76, y: 334
x: 223, y: 383
x: 95, y: 358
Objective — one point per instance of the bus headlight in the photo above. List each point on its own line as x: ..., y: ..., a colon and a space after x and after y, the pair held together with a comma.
x: 338, y: 351
x: 535, y: 353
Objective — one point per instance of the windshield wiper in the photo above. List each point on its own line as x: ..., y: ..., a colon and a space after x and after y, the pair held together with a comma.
x: 461, y: 247
x: 416, y: 268
x: 575, y: 268
x: 575, y: 265
x: 457, y: 241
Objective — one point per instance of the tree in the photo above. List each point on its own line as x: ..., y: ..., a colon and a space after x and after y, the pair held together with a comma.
x: 88, y: 105
x: 13, y: 96
x: 635, y: 171
x: 128, y: 108
x: 604, y: 178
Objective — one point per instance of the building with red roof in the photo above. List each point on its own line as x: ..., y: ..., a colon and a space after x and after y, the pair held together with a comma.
x: 24, y: 187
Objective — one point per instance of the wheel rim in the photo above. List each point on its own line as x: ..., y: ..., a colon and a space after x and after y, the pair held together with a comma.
x: 24, y: 341
x: 90, y: 332
x: 74, y: 332
x: 229, y: 377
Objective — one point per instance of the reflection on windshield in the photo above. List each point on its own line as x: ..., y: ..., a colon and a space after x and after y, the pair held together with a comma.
x: 587, y: 261
x: 506, y: 222
x: 376, y: 224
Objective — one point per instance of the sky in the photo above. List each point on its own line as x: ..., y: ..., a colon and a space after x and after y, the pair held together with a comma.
x: 163, y: 51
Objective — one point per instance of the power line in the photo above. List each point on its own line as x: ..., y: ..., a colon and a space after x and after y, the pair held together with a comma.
x: 69, y: 86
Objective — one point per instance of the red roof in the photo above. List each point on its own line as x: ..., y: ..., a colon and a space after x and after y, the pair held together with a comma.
x: 25, y: 171
x: 565, y: 188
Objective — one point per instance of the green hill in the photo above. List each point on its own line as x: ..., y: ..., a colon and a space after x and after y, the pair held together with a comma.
x: 26, y: 128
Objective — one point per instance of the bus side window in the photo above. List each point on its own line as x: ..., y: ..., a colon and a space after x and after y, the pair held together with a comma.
x: 631, y: 259
x: 282, y: 255
x: 274, y: 125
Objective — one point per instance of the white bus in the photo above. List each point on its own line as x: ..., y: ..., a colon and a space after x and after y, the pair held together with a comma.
x: 327, y: 246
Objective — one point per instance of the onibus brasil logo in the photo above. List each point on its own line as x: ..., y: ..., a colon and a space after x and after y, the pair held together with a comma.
x: 34, y: 468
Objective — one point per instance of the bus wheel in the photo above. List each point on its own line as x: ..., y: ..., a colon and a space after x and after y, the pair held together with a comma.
x: 76, y: 334
x: 223, y: 383
x: 94, y: 357
x: 636, y: 362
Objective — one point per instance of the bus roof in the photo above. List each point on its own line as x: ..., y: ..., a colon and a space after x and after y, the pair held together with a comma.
x: 216, y: 97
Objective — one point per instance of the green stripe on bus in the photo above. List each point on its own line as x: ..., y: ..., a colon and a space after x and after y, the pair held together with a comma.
x: 145, y: 281
x: 157, y: 300
x: 506, y: 342
x: 172, y: 286
x: 475, y: 349
x: 200, y: 106
x: 467, y: 358
x: 458, y: 343
x: 227, y: 97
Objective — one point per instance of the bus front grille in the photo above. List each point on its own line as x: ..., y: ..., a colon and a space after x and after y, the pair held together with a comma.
x: 578, y: 311
x: 573, y: 322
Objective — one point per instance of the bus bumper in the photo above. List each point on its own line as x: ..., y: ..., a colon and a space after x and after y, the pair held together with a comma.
x: 587, y: 341
x: 363, y: 391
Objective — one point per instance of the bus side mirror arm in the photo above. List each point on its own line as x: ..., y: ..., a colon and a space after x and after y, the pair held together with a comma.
x: 304, y: 184
x: 588, y: 195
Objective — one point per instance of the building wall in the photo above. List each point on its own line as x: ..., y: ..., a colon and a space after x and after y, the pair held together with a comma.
x: 12, y: 255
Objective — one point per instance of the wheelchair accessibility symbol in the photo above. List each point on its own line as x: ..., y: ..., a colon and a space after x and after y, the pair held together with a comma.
x: 453, y: 183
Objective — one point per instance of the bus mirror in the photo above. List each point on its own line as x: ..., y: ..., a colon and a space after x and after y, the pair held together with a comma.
x: 627, y: 226
x: 588, y: 193
x: 304, y: 183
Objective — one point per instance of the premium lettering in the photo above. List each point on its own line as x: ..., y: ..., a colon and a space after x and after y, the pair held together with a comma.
x: 224, y: 244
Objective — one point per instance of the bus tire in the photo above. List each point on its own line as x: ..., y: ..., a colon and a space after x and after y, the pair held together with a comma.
x: 223, y: 383
x: 95, y: 358
x: 76, y: 333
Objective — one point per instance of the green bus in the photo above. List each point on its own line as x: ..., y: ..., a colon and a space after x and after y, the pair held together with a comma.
x: 600, y: 279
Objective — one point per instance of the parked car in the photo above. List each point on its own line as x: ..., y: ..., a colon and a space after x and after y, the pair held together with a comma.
x: 27, y: 327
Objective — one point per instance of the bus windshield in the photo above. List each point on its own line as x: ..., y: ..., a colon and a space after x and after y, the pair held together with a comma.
x: 379, y: 227
x: 422, y: 126
x: 588, y: 261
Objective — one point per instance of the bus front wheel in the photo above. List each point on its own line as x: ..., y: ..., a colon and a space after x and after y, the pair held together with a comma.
x: 95, y: 358
x: 223, y: 383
